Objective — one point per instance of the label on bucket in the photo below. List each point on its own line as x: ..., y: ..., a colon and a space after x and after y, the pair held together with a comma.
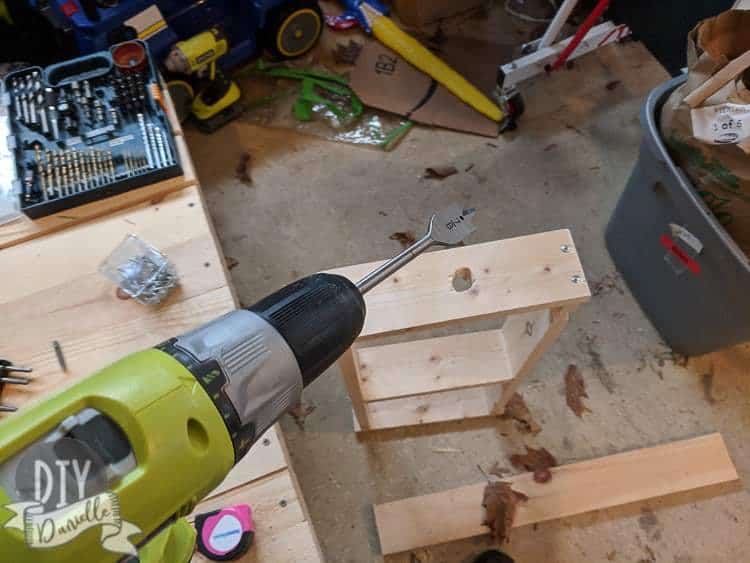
x: 681, y: 233
x: 724, y: 124
x: 680, y: 257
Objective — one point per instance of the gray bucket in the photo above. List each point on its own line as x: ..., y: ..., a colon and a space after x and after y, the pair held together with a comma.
x: 686, y: 272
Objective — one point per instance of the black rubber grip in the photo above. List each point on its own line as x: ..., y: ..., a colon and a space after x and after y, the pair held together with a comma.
x: 320, y: 317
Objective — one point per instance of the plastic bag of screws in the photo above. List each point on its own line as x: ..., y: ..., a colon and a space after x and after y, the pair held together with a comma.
x: 140, y: 271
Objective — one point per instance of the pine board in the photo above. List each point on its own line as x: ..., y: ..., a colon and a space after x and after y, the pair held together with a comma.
x: 574, y: 489
x: 510, y: 276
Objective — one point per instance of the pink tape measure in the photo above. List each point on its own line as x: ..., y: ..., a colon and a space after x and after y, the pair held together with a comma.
x: 225, y: 534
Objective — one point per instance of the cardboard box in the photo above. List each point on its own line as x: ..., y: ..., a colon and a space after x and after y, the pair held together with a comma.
x: 420, y: 12
x: 720, y: 172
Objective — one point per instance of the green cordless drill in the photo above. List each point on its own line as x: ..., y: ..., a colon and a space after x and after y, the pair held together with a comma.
x: 106, y: 469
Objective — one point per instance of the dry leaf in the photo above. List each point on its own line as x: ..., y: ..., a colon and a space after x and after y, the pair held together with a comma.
x: 242, y: 172
x: 439, y: 172
x: 517, y: 410
x: 534, y: 460
x: 575, y: 391
x: 406, y: 238
x: 500, y: 503
x: 612, y: 85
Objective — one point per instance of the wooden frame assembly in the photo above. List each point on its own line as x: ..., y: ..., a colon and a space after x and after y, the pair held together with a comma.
x: 530, y: 284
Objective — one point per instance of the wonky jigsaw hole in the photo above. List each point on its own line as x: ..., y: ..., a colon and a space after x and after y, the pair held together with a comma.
x: 462, y: 280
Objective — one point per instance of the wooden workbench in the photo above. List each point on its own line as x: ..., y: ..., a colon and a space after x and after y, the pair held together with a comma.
x: 52, y: 290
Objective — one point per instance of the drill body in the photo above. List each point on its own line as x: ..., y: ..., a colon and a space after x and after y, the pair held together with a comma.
x: 160, y: 429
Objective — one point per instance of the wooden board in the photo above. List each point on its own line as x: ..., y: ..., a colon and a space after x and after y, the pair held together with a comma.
x: 574, y: 489
x: 445, y: 406
x: 265, y: 457
x: 56, y: 293
x: 510, y: 276
x: 434, y: 364
x: 25, y: 229
x: 455, y: 377
x: 527, y: 337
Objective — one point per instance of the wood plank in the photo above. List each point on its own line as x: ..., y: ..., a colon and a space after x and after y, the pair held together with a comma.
x: 265, y: 457
x: 25, y: 229
x: 445, y: 406
x: 348, y: 366
x: 58, y: 294
x: 283, y: 534
x: 527, y: 338
x: 510, y: 276
x: 574, y: 489
x: 433, y: 364
x: 716, y: 82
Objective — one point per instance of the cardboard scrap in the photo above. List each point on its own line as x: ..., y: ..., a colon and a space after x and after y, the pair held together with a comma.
x: 421, y: 12
x: 383, y: 80
x: 720, y: 172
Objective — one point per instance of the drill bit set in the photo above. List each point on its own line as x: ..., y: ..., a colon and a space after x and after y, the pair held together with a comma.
x: 86, y: 129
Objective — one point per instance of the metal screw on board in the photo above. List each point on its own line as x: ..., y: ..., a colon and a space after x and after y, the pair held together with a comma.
x: 577, y: 279
x: 282, y: 503
x: 565, y: 248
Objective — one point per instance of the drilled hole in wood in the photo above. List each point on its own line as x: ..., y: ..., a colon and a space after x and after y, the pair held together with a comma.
x: 462, y: 280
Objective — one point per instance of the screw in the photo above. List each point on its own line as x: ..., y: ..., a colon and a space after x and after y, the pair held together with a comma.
x: 59, y: 353
x: 577, y: 279
x: 565, y: 248
x: 282, y: 503
x: 266, y: 442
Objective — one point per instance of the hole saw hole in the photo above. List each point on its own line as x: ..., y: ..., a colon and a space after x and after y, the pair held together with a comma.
x: 462, y: 280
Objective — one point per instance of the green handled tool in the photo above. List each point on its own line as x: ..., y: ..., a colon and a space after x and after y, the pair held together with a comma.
x: 105, y: 470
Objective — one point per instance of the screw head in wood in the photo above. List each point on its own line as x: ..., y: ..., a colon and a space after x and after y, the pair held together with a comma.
x: 577, y: 279
x: 565, y: 248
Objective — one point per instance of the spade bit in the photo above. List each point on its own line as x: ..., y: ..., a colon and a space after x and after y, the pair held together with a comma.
x: 448, y: 227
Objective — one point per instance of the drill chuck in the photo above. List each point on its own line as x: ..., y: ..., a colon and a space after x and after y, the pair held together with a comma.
x: 320, y: 317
